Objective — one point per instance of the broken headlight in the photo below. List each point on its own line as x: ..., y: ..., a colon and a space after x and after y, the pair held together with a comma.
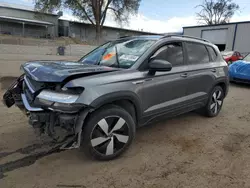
x: 59, y: 101
x: 53, y: 96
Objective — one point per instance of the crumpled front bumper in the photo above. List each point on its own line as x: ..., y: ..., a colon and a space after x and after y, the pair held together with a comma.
x: 62, y: 127
x: 27, y: 105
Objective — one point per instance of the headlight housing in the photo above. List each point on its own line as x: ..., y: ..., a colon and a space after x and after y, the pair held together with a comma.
x: 53, y: 96
x: 63, y: 101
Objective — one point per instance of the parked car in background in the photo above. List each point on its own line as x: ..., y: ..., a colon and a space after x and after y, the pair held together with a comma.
x: 239, y: 71
x: 98, y: 102
x: 231, y: 56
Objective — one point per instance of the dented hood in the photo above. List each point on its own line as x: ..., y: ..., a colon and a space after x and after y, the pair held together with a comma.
x: 57, y: 71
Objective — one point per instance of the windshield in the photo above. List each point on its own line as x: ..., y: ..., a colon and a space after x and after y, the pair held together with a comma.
x: 224, y: 54
x: 247, y: 58
x: 121, y: 53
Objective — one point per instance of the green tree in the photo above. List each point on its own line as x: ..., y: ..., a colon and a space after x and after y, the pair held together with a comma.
x: 216, y: 11
x: 93, y: 11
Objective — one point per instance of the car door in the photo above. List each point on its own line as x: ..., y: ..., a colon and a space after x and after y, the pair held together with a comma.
x: 165, y: 91
x: 201, y: 72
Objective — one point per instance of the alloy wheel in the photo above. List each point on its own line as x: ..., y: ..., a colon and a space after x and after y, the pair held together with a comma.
x: 110, y: 135
x: 216, y: 102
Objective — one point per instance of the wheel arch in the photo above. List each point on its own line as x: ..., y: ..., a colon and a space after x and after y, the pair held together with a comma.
x: 223, y: 84
x: 127, y: 100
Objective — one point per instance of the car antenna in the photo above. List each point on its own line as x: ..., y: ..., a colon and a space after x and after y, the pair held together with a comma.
x: 116, y: 55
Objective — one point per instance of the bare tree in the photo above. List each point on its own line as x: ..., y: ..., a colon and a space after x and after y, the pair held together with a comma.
x: 216, y: 11
x: 93, y: 11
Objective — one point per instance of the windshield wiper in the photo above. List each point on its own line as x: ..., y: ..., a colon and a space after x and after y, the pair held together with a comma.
x: 117, y: 57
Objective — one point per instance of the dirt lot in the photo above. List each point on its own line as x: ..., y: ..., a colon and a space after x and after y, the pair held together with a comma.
x: 187, y: 151
x: 10, y: 63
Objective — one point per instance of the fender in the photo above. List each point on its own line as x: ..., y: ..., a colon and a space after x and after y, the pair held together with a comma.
x: 121, y: 95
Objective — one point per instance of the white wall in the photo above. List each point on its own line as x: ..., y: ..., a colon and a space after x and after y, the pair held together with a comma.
x: 196, y: 32
x: 86, y: 32
x: 242, y: 40
x: 53, y: 30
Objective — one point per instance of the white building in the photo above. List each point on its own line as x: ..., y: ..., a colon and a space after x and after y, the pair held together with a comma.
x: 229, y: 36
x: 25, y: 21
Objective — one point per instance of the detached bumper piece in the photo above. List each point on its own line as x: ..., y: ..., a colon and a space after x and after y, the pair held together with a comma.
x: 12, y: 95
x: 8, y: 99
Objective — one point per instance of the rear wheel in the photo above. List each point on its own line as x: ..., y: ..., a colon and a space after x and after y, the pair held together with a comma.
x: 108, y: 133
x: 215, y: 102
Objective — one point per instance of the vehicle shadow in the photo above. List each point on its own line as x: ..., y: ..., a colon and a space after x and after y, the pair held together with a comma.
x: 169, y: 121
x: 240, y: 85
x: 24, y: 150
x: 33, y: 153
x: 27, y: 160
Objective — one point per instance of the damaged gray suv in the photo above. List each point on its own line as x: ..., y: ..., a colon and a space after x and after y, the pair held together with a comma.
x: 98, y: 102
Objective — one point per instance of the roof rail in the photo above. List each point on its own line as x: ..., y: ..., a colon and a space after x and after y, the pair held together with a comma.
x: 186, y: 36
x: 124, y: 36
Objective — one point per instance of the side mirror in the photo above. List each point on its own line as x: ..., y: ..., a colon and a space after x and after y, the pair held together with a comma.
x: 159, y: 65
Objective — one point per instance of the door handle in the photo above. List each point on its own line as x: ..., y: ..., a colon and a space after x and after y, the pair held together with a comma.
x: 184, y: 75
x: 142, y: 81
x: 138, y: 82
x: 213, y: 70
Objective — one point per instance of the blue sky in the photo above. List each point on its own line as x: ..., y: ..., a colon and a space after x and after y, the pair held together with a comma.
x: 162, y: 15
x: 165, y: 9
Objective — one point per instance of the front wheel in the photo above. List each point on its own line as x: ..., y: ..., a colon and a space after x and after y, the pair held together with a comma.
x: 108, y: 133
x: 215, y: 102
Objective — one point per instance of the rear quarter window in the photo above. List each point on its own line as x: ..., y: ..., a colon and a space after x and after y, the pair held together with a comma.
x: 212, y: 53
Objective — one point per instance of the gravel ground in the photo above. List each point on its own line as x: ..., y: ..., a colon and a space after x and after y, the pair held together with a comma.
x: 186, y: 151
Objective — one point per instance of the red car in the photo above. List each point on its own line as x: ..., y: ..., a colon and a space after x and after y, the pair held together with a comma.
x: 231, y: 56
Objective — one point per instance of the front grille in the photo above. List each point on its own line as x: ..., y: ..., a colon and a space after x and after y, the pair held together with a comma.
x: 29, y: 95
x: 31, y: 88
x: 33, y: 85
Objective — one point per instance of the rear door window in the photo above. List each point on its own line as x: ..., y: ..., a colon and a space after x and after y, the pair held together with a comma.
x: 197, y: 53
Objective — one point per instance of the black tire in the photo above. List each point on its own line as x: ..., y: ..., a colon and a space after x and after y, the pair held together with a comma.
x: 95, y: 131
x: 215, y: 102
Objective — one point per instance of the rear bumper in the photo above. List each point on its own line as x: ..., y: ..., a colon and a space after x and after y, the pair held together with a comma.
x: 240, y: 80
x: 239, y: 76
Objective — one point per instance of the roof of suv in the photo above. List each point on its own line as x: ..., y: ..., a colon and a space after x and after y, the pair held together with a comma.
x: 158, y: 37
x: 154, y: 37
